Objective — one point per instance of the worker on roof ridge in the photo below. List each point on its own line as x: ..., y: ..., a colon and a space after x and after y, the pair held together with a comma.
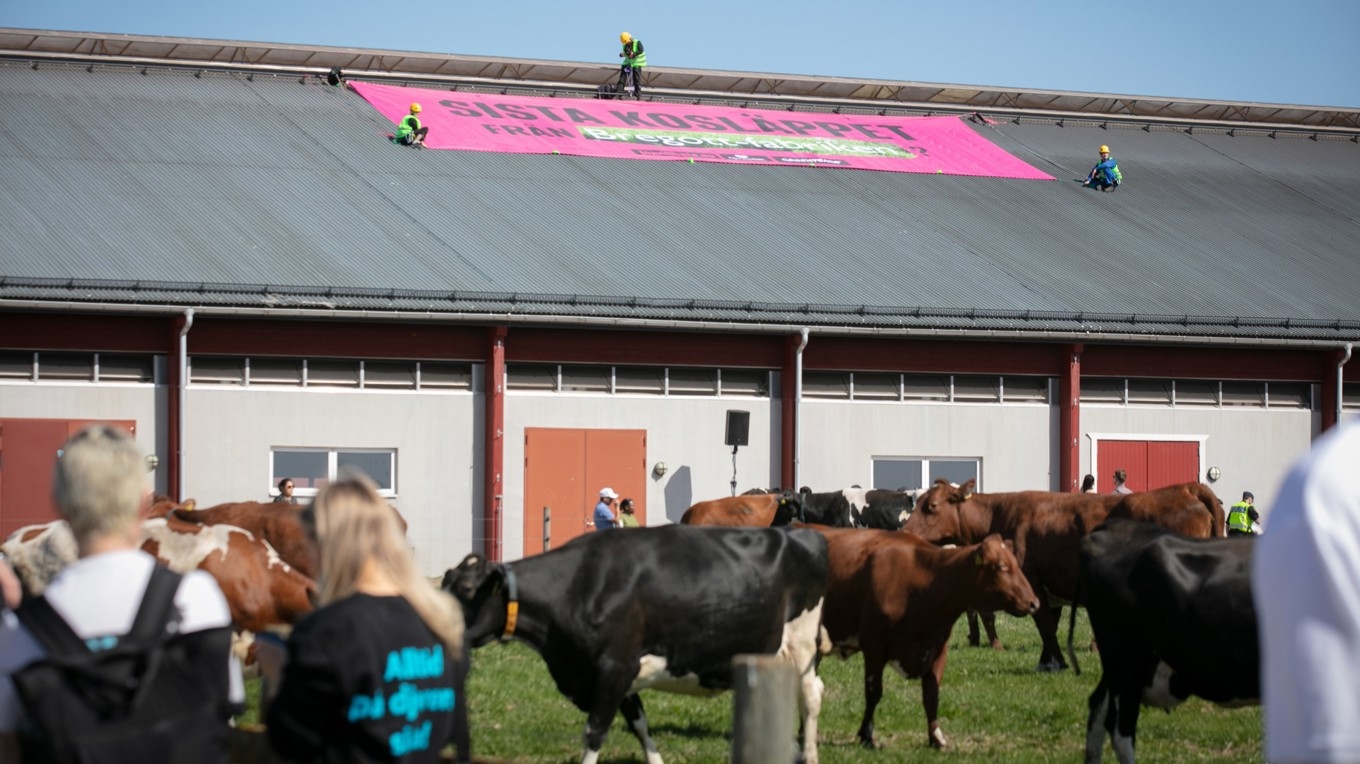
x: 409, y: 131
x: 1105, y: 175
x: 634, y: 59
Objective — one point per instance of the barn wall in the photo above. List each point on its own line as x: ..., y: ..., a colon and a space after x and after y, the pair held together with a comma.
x: 107, y: 401
x: 1014, y: 441
x: 685, y: 433
x: 230, y: 433
x: 1253, y: 447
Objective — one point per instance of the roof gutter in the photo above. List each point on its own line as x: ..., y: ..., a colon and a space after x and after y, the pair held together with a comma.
x: 1082, y: 334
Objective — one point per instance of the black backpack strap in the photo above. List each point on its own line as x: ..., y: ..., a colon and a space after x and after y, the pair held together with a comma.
x: 50, y: 629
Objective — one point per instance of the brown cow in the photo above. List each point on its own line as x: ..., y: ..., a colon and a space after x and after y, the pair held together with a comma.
x: 896, y: 597
x: 275, y: 522
x: 1179, y: 508
x: 1046, y: 528
x: 747, y: 510
x: 260, y: 589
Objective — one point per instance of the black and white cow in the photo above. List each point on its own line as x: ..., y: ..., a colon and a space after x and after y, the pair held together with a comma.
x: 1173, y: 617
x: 858, y: 508
x: 616, y: 612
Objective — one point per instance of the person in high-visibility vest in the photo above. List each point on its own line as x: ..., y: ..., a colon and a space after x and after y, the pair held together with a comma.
x: 1105, y: 175
x: 409, y: 131
x: 1241, y: 515
x: 634, y: 59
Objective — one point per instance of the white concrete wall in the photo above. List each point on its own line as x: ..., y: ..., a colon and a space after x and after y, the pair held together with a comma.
x: 686, y: 433
x: 437, y: 435
x: 1253, y: 447
x: 1014, y: 441
x: 101, y: 401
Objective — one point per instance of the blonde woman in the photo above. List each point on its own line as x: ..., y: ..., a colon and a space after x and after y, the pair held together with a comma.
x: 376, y: 672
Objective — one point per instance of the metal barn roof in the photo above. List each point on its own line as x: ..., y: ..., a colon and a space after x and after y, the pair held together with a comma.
x: 149, y: 187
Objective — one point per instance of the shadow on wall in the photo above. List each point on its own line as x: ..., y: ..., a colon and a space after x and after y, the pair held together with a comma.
x: 679, y: 493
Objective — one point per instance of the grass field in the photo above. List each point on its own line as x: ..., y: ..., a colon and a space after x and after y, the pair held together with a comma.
x: 993, y: 708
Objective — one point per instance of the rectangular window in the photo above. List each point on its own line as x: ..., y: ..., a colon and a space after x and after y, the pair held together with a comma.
x: 1244, y: 394
x: 977, y: 389
x: 881, y: 387
x: 445, y: 376
x: 913, y: 473
x: 826, y: 384
x: 274, y: 371
x: 1196, y: 392
x: 639, y: 379
x: 390, y: 374
x: 219, y: 371
x: 1102, y: 390
x: 1289, y: 395
x: 527, y: 376
x: 1024, y: 389
x: 1350, y: 396
x: 330, y: 373
x: 17, y: 365
x: 1156, y: 391
x: 925, y: 387
x: 691, y: 382
x: 586, y: 379
x: 126, y: 368
x: 754, y: 383
x: 312, y: 468
x: 71, y: 366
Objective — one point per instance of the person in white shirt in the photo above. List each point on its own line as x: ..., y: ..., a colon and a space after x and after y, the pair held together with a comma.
x: 100, y: 487
x: 1306, y: 581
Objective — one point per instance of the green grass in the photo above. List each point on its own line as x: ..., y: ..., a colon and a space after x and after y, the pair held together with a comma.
x: 993, y: 708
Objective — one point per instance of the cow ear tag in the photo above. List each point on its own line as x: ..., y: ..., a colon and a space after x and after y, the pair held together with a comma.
x: 977, y: 559
x: 967, y: 496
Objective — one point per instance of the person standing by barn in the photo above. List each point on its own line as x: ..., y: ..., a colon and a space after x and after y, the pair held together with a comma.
x: 627, y: 518
x: 1121, y: 477
x: 604, y: 510
x: 1242, y: 515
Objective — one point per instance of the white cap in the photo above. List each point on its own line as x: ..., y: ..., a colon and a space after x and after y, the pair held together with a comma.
x: 608, y: 493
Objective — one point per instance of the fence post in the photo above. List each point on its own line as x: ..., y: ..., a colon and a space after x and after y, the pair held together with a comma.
x: 764, y: 707
x: 547, y: 528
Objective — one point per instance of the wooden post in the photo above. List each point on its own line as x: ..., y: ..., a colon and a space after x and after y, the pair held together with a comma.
x: 764, y: 709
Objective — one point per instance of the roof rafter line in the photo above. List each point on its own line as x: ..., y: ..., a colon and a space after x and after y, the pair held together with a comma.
x: 515, y: 298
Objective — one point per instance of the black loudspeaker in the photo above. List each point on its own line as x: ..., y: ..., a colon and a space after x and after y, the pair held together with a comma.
x: 738, y: 428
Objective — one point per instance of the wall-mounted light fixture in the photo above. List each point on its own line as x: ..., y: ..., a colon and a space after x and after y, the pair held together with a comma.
x: 1214, y: 474
x: 660, y: 469
x: 152, y: 461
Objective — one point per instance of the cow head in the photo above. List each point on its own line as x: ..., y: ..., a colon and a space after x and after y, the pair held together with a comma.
x: 789, y: 507
x: 479, y: 586
x: 1003, y: 586
x: 937, y: 516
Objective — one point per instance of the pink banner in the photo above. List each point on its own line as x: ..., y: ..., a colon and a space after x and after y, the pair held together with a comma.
x: 674, y: 132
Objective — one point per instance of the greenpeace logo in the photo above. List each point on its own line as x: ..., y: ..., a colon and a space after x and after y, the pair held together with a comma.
x: 811, y: 160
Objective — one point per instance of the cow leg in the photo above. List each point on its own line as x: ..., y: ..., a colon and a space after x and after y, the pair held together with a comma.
x: 799, y: 646
x: 989, y: 625
x: 611, y: 685
x: 930, y: 698
x: 974, y: 636
x: 1046, y: 619
x: 1098, y: 720
x: 1124, y: 727
x: 873, y: 692
x: 637, y: 720
x: 810, y: 704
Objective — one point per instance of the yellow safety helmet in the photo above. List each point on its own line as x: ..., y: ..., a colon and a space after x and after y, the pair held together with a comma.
x: 625, y: 38
x: 415, y: 108
x: 1104, y: 149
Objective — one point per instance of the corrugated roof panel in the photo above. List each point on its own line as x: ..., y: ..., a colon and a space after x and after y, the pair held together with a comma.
x: 217, y: 179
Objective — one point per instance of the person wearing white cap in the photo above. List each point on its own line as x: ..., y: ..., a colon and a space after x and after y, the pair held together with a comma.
x: 604, y: 511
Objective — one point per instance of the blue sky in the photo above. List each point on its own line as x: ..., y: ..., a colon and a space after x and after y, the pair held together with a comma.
x: 1305, y: 52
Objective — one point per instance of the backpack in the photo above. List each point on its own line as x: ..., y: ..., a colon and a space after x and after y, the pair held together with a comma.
x: 138, y: 700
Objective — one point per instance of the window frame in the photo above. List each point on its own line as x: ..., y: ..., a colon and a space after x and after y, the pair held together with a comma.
x: 332, y: 469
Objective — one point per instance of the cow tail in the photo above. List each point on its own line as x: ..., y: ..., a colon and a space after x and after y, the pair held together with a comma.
x: 1072, y: 628
x: 1210, y: 500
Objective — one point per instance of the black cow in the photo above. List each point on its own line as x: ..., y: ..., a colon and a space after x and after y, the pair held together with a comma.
x: 858, y: 508
x: 1173, y: 617
x: 616, y: 612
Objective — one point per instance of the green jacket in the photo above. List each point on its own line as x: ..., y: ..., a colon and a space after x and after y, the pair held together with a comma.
x: 1238, y: 519
x: 408, y: 126
x: 634, y: 55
